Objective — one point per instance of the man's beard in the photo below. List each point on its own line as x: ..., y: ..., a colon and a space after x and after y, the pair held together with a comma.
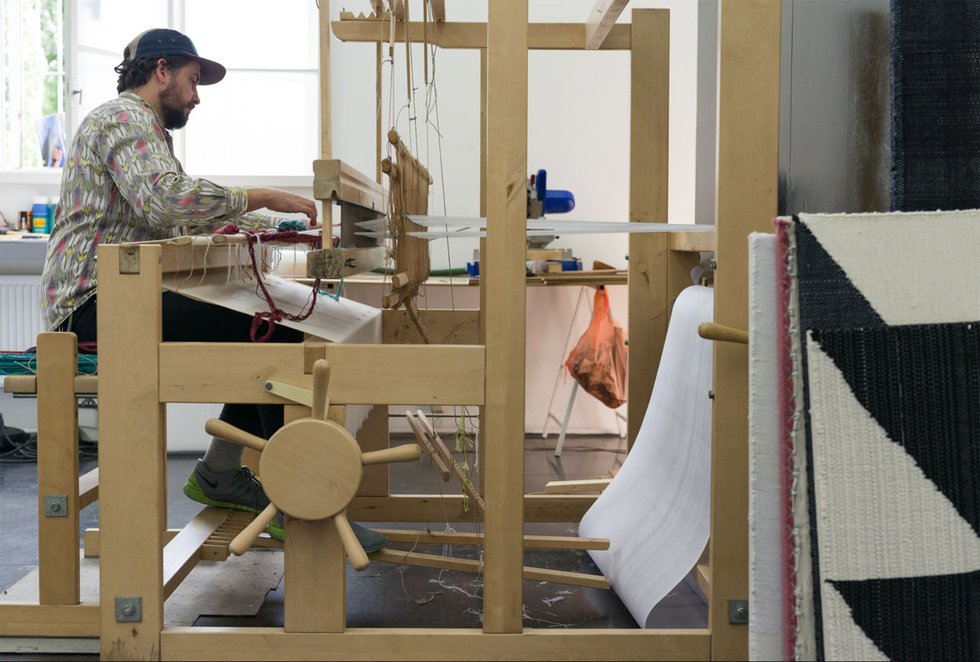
x: 174, y: 115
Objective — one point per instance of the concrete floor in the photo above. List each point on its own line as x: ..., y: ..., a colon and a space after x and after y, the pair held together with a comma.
x: 386, y: 595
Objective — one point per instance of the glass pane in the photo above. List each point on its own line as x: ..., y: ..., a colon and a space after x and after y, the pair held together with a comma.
x: 286, y: 36
x: 111, y: 24
x: 96, y: 80
x: 255, y: 123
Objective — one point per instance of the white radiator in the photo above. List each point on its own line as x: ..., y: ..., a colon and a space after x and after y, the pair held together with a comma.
x: 20, y: 312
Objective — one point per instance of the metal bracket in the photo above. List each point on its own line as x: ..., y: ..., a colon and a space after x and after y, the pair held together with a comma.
x: 129, y: 610
x: 296, y: 394
x: 55, y: 505
x: 738, y: 612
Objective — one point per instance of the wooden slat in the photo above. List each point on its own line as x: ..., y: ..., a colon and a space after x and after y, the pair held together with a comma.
x: 648, y: 303
x: 374, y: 436
x: 540, y: 36
x: 450, y: 508
x: 473, y: 566
x: 450, y: 327
x: 463, y: 538
x: 314, y: 577
x: 202, y: 254
x: 748, y: 149
x: 88, y: 488
x: 693, y: 241
x: 258, y: 643
x: 360, y: 374
x: 57, y: 468
x: 27, y: 384
x: 574, y: 486
x: 326, y: 144
x: 601, y: 20
x: 184, y: 551
x: 438, y: 10
x: 337, y: 181
x: 502, y: 274
x: 132, y: 451
x: 702, y: 574
x: 92, y: 540
x: 26, y: 620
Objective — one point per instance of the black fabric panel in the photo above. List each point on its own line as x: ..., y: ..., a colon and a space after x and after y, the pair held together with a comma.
x: 922, y: 385
x: 828, y: 299
x: 935, y: 139
x: 918, y: 618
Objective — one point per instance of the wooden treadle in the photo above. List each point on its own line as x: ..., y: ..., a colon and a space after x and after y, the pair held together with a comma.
x: 215, y: 548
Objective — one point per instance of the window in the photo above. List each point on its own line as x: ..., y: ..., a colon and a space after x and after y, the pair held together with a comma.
x: 262, y: 119
x: 32, y: 68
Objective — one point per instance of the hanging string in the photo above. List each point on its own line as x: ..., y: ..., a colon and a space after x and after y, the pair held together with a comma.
x: 276, y: 314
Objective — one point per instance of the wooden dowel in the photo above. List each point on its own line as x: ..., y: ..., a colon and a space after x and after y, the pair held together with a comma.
x: 321, y: 380
x: 575, y: 486
x: 399, y: 280
x: 465, y: 538
x: 358, y: 557
x: 720, y: 332
x: 244, y: 540
x: 403, y: 453
x: 222, y: 430
x: 424, y: 440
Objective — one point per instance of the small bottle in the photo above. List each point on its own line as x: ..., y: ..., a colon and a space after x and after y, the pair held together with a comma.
x: 24, y: 221
x: 39, y: 212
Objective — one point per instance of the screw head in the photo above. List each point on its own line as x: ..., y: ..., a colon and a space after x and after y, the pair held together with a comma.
x: 127, y: 610
x: 54, y: 507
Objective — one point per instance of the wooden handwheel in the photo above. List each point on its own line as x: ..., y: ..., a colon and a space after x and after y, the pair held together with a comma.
x: 311, y: 469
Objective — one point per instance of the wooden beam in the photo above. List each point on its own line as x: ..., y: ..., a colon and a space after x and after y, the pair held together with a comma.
x: 474, y: 566
x: 28, y: 620
x: 132, y: 449
x: 464, y: 538
x: 502, y: 274
x: 450, y: 327
x: 649, y: 143
x: 183, y: 551
x: 260, y: 643
x: 339, y: 182
x: 360, y: 374
x: 326, y: 144
x: 693, y: 241
x: 438, y: 10
x: 57, y: 469
x: 88, y: 488
x: 541, y: 36
x: 453, y: 508
x: 601, y: 20
x: 748, y: 153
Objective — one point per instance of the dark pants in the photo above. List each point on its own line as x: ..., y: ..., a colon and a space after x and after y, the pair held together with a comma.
x: 187, y: 320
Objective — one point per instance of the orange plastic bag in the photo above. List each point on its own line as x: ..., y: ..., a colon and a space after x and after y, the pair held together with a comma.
x: 598, y: 360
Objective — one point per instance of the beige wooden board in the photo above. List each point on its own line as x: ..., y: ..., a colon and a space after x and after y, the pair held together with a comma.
x: 451, y: 327
x: 27, y: 384
x: 434, y: 644
x: 601, y: 20
x: 33, y: 620
x: 132, y: 450
x: 361, y: 374
x: 540, y: 36
x: 315, y: 598
x: 648, y: 304
x: 343, y: 321
x: 502, y: 275
x: 57, y: 467
x: 435, y: 507
x: 338, y: 181
x: 748, y: 148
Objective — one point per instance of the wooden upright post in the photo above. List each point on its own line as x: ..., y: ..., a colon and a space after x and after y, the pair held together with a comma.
x: 57, y: 469
x: 649, y: 142
x: 748, y: 150
x: 502, y: 274
x: 132, y: 453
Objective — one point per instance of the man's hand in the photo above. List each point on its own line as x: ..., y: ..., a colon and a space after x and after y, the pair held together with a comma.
x: 281, y: 201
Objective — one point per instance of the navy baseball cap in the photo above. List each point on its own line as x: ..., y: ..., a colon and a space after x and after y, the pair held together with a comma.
x: 161, y: 42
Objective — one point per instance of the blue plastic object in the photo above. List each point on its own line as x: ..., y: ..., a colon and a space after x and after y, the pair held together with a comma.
x: 473, y: 269
x: 555, y: 201
x: 291, y: 224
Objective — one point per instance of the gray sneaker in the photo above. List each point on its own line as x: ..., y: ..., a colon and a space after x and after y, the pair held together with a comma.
x: 236, y: 488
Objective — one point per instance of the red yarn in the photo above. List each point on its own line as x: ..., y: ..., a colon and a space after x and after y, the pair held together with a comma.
x: 275, y: 313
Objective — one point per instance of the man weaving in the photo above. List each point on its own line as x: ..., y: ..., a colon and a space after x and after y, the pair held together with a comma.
x: 122, y: 183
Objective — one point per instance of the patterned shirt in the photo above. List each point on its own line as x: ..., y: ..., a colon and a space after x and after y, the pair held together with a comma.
x: 121, y: 182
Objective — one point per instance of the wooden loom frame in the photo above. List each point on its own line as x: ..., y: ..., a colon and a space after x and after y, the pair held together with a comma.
x: 139, y: 374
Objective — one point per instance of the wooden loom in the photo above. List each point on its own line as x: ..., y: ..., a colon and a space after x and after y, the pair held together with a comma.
x: 139, y: 374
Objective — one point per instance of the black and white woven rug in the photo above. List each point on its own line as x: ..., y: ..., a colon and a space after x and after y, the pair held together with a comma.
x: 888, y: 351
